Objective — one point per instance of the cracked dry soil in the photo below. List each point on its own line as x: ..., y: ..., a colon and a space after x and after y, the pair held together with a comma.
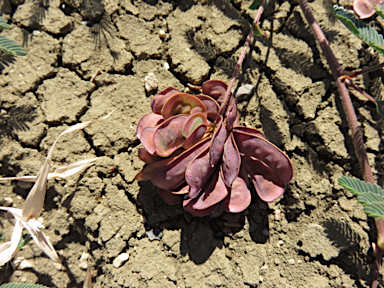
x: 316, y: 235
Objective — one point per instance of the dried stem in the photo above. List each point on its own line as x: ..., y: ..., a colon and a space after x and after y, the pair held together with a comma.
x: 365, y: 94
x: 364, y: 71
x: 224, y: 105
x: 358, y: 141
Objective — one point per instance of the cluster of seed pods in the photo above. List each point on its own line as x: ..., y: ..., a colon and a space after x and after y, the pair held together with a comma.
x: 198, y: 154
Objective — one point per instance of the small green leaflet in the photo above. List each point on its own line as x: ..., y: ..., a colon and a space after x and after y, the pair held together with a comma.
x: 380, y: 107
x: 11, y: 47
x: 366, y: 33
x: 21, y: 285
x: 371, y: 196
x: 7, y: 45
x: 256, y: 4
x: 3, y: 23
x: 24, y: 240
x: 258, y: 31
x: 380, y: 10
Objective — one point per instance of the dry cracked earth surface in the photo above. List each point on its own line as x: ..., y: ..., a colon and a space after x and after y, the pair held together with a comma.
x: 85, y: 59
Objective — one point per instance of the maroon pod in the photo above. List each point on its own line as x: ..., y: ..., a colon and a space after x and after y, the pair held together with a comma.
x: 203, y: 159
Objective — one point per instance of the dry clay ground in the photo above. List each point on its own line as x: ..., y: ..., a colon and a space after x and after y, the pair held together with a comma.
x: 316, y: 235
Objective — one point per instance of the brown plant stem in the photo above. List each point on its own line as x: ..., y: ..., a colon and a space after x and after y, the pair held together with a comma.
x: 365, y: 94
x: 358, y: 141
x: 224, y: 105
x: 364, y: 71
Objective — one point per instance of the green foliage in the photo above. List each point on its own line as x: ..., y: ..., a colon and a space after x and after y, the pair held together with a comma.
x: 258, y: 31
x: 371, y: 196
x: 7, y: 45
x: 3, y: 23
x: 366, y: 33
x: 379, y: 107
x: 24, y: 240
x: 256, y: 4
x: 380, y: 10
x: 21, y: 285
x: 11, y: 47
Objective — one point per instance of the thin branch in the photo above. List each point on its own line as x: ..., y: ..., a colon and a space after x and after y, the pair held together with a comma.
x: 338, y: 75
x: 364, y: 71
x: 349, y: 82
x: 224, y: 105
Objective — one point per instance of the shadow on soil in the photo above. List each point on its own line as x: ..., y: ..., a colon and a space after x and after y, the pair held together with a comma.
x: 353, y: 261
x: 201, y: 236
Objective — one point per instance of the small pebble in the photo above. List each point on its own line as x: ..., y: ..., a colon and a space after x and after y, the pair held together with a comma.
x: 245, y: 91
x: 84, y: 260
x: 84, y: 265
x: 277, y: 214
x: 264, y: 267
x: 119, y: 260
x: 151, y: 82
x: 228, y: 253
x: 24, y: 264
x: 166, y: 65
x: 16, y: 261
x: 59, y: 266
x: 291, y: 261
x: 6, y: 202
x: 261, y: 279
x: 162, y: 33
x: 279, y: 243
x: 154, y: 234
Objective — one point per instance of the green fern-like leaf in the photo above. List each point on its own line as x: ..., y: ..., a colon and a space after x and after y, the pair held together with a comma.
x: 11, y: 47
x: 366, y: 33
x: 371, y: 196
x: 3, y: 23
x: 21, y: 285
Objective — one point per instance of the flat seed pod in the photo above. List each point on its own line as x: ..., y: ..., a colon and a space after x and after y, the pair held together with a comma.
x: 198, y: 173
x: 230, y: 165
x: 168, y: 136
x: 239, y: 197
x: 182, y: 103
x: 188, y: 206
x: 212, y: 106
x: 147, y: 139
x: 266, y: 152
x: 213, y: 194
x: 195, y: 136
x: 217, y: 144
x: 267, y: 184
x: 170, y: 197
x: 215, y: 88
x: 172, y: 176
x: 161, y: 97
x: 148, y: 120
x: 193, y: 122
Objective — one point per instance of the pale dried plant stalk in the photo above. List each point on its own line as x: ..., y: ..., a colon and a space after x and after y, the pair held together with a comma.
x: 60, y: 173
x: 33, y: 206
